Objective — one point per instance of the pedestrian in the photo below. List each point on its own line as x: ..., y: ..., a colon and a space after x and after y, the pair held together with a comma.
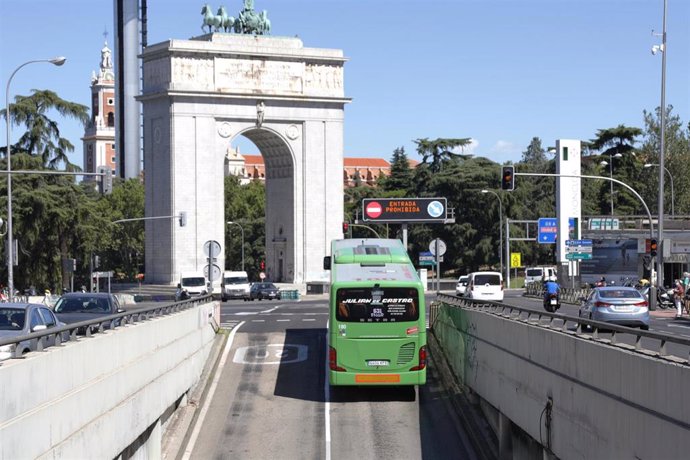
x: 686, y: 286
x: 678, y: 298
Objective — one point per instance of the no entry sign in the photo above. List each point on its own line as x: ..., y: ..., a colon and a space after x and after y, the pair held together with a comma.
x: 391, y: 210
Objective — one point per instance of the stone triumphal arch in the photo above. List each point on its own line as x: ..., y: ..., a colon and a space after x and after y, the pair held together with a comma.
x: 200, y: 94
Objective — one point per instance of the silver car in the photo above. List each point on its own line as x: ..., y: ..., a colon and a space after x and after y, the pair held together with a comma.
x: 617, y: 305
x: 19, y: 319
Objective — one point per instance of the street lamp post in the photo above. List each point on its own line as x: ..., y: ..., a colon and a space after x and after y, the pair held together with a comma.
x: 662, y: 140
x: 500, y: 215
x: 673, y: 205
x: 58, y: 61
x: 242, y: 229
x: 610, y: 165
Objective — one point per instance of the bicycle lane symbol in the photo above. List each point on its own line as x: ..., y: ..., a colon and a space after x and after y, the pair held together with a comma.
x: 270, y: 354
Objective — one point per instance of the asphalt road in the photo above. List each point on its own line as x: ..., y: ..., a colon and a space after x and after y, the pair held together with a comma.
x: 272, y: 400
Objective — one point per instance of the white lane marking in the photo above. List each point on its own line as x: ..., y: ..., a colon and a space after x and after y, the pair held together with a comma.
x: 308, y: 319
x: 327, y: 405
x: 258, y: 321
x: 283, y: 320
x: 216, y: 378
x: 270, y: 309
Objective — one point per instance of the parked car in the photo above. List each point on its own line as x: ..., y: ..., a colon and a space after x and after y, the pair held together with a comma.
x: 262, y: 291
x: 17, y: 319
x: 462, y: 285
x: 82, y: 306
x: 621, y: 305
x: 485, y: 286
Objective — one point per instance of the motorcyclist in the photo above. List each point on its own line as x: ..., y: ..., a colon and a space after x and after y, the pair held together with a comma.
x: 551, y: 288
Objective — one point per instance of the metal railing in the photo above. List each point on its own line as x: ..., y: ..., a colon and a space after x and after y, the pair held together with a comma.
x: 567, y: 295
x: 39, y: 341
x: 569, y: 324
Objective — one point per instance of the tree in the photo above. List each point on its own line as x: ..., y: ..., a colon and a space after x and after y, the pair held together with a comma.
x: 676, y: 160
x: 609, y: 142
x: 535, y: 153
x: 42, y: 137
x: 401, y: 174
x: 439, y: 150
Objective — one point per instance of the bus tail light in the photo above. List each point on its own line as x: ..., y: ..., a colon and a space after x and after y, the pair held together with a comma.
x: 422, y: 359
x: 333, y: 360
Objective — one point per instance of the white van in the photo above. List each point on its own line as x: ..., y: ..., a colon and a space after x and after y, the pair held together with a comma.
x: 485, y: 286
x: 234, y: 285
x: 538, y: 274
x: 194, y: 283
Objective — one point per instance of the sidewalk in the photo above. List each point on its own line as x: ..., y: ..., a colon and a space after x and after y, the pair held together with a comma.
x: 667, y: 313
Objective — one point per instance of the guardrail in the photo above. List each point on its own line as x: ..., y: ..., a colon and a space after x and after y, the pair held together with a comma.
x: 69, y: 332
x: 568, y: 295
x: 570, y: 324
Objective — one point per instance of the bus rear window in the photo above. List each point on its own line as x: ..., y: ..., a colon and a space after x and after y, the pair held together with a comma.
x: 377, y: 305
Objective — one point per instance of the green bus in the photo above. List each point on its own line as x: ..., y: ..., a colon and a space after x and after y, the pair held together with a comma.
x: 377, y: 319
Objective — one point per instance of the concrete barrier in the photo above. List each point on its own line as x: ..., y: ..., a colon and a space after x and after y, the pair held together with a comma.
x: 94, y: 398
x: 577, y: 398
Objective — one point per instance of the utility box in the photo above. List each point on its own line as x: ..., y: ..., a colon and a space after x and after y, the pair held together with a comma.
x: 317, y: 288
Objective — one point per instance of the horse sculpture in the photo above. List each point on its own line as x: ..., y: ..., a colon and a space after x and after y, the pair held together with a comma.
x: 210, y: 20
x: 226, y: 22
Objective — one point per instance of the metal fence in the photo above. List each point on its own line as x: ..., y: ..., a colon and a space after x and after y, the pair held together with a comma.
x: 577, y: 326
x: 567, y: 295
x: 70, y: 332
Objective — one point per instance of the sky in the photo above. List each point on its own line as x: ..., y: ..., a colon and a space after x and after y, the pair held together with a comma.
x: 498, y: 72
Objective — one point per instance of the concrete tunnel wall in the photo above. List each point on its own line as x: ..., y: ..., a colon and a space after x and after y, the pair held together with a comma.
x: 608, y: 402
x: 94, y: 397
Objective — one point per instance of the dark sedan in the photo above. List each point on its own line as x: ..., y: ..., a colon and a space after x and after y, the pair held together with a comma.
x: 18, y: 319
x: 262, y: 291
x: 86, y: 306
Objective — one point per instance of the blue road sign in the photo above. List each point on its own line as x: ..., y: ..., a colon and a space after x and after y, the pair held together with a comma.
x: 548, y: 230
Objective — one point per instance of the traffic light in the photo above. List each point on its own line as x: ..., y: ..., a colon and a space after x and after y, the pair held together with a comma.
x: 508, y: 178
x: 183, y: 218
x: 106, y: 180
x: 346, y: 227
x: 96, y: 261
x: 262, y: 265
x: 653, y: 246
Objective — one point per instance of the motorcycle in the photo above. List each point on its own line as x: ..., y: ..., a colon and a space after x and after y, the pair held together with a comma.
x: 664, y: 297
x: 551, y: 303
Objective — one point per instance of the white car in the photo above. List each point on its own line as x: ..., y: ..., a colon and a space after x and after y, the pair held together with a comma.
x: 462, y: 285
x: 485, y: 286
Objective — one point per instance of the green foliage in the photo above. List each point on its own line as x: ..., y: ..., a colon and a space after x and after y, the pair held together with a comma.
x: 246, y: 205
x: 439, y: 150
x: 42, y: 136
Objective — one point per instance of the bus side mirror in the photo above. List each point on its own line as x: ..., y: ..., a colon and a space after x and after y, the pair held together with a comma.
x: 327, y: 263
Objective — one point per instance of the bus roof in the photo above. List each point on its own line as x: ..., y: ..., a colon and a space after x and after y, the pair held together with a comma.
x: 371, y: 259
x: 369, y: 251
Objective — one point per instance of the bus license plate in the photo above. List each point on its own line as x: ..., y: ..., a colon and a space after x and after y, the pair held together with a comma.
x: 378, y: 363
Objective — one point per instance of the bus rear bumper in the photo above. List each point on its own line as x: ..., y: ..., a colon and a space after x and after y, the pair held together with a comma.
x: 377, y: 378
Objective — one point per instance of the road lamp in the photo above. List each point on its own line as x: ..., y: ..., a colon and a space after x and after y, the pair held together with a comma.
x: 610, y: 165
x: 662, y: 139
x: 10, y: 246
x: 673, y: 206
x: 231, y: 222
x: 500, y: 227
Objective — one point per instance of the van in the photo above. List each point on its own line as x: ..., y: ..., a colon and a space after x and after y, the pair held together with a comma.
x: 485, y: 286
x: 538, y: 274
x: 234, y: 285
x: 194, y: 283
